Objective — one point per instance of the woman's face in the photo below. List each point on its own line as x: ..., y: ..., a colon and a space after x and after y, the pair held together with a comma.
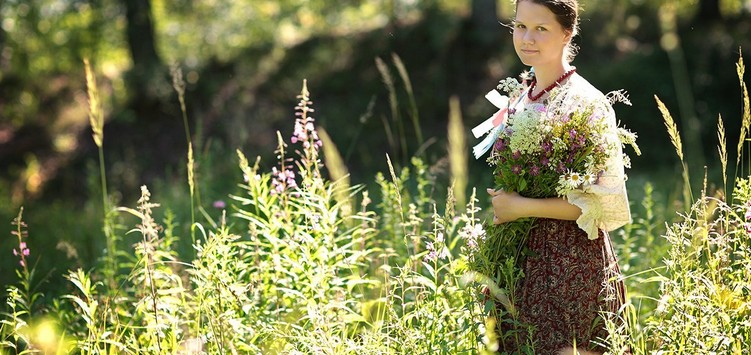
x: 539, y: 39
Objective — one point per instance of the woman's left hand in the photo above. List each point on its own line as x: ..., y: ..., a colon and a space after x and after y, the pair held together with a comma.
x: 505, y: 206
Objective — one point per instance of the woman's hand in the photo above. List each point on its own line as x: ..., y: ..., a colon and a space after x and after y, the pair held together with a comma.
x: 505, y: 206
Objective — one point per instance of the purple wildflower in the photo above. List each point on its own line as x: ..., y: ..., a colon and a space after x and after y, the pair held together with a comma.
x: 534, y: 170
x: 219, y: 204
x: 572, y: 133
x: 431, y: 256
x: 23, y: 251
x: 305, y: 130
x: 561, y: 168
x: 499, y: 145
x: 545, y: 161
x: 282, y: 180
x: 516, y: 155
x: 547, y: 146
x: 516, y: 169
x: 299, y: 134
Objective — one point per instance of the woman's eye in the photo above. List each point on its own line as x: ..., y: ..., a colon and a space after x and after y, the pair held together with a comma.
x: 519, y: 25
x: 541, y: 29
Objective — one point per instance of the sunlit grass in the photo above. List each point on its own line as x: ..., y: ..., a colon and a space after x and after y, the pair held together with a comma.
x: 303, y: 261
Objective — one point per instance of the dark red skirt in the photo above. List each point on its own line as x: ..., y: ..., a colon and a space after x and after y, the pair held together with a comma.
x: 570, y: 284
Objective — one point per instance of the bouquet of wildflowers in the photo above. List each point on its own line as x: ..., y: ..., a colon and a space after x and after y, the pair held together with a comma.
x: 544, y: 151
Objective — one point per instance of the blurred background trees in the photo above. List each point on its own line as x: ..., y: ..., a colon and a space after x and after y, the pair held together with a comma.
x: 243, y: 61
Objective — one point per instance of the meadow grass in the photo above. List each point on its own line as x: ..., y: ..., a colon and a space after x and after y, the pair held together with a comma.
x: 301, y: 261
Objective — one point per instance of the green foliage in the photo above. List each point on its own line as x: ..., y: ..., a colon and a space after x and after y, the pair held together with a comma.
x: 704, y: 304
x: 292, y: 270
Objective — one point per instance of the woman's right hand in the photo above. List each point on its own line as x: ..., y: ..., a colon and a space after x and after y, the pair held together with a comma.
x: 505, y: 205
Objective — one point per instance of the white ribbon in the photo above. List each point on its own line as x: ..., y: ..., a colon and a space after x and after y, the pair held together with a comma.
x: 494, y: 124
x: 499, y: 101
x: 484, y: 145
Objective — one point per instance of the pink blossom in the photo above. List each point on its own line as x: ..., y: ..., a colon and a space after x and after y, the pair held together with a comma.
x: 219, y: 204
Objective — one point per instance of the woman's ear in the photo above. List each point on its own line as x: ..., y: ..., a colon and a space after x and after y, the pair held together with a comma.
x: 569, y: 36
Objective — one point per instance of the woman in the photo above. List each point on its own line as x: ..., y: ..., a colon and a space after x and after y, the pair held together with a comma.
x: 571, y: 279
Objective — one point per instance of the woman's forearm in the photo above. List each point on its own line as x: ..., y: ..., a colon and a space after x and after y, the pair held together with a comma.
x: 510, y: 206
x: 554, y: 207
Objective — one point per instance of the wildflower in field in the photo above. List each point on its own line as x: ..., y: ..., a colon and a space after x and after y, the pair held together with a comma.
x: 472, y: 235
x: 436, y: 250
x: 23, y: 251
x: 444, y: 253
x: 282, y: 180
x: 219, y: 204
x: 305, y: 131
x: 431, y: 256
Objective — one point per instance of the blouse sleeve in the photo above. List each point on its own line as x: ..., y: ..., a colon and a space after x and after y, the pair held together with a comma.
x: 605, y: 204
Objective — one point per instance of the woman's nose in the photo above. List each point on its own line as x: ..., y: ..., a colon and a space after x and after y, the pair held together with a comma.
x: 528, y: 37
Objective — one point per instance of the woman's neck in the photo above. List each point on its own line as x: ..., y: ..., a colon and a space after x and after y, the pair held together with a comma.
x: 546, y: 76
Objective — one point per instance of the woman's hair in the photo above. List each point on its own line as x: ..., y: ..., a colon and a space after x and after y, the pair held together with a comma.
x: 567, y: 14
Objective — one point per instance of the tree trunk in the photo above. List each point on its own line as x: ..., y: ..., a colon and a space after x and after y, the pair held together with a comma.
x: 3, y: 37
x: 709, y: 11
x: 141, y: 34
x: 147, y: 79
x: 484, y: 21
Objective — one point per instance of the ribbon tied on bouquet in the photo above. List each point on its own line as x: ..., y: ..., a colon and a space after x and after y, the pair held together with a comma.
x: 495, y: 124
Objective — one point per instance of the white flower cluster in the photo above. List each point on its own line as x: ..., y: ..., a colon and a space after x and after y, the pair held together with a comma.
x: 628, y: 137
x: 511, y: 86
x: 527, y: 136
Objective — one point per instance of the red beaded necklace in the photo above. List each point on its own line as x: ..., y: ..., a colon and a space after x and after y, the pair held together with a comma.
x: 544, y: 91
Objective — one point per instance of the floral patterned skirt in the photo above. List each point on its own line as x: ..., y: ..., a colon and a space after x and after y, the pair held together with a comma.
x: 570, y: 283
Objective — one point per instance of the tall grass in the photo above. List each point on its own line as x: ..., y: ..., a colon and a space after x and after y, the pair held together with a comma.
x: 301, y: 263
x: 702, y: 304
x: 179, y: 85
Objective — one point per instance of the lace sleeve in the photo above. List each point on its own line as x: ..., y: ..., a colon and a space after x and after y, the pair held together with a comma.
x: 605, y: 204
